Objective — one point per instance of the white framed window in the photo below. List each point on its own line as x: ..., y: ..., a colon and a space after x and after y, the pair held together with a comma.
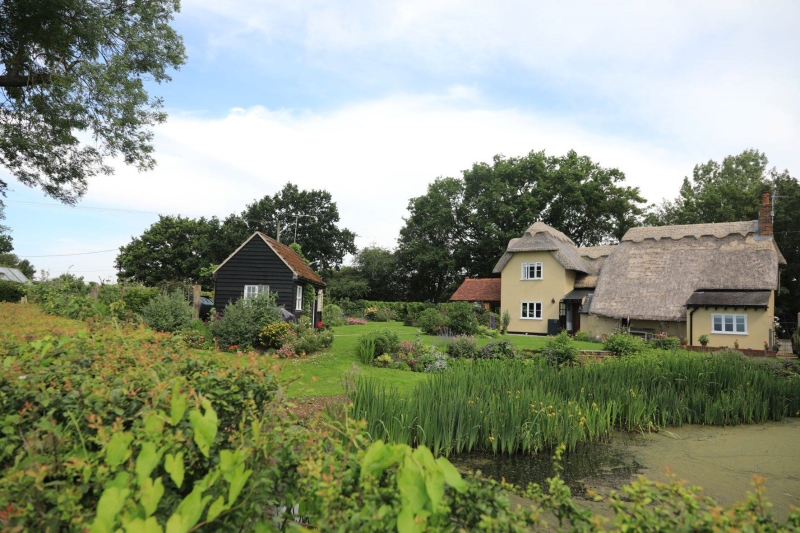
x: 531, y: 310
x: 730, y: 324
x: 251, y: 291
x: 298, y: 304
x: 531, y: 270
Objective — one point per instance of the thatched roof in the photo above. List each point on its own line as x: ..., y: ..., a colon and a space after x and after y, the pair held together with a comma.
x: 653, y: 271
x: 542, y: 238
x: 593, y: 257
x: 729, y: 299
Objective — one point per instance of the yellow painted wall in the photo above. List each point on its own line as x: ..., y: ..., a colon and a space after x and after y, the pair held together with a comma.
x: 759, y: 322
x: 673, y: 329
x: 598, y: 325
x: 555, y: 283
x: 601, y: 325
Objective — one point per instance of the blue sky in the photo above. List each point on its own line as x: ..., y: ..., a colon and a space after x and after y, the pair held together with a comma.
x: 373, y: 100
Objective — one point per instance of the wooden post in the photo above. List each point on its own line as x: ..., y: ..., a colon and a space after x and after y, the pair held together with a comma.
x: 93, y: 291
x: 23, y: 300
x: 196, y: 289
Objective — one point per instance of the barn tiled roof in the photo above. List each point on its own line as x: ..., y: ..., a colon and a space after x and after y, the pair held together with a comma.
x: 478, y: 290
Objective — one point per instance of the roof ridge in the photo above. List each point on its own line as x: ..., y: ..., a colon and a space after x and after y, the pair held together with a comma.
x: 676, y: 232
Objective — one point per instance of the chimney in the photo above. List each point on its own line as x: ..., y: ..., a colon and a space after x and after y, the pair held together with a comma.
x: 765, y: 216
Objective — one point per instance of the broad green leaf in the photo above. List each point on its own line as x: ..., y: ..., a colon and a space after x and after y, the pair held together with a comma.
x: 146, y: 461
x: 379, y: 457
x: 411, y: 484
x: 173, y: 464
x: 215, y: 509
x: 451, y: 475
x: 188, y: 512
x: 177, y: 405
x: 109, y: 506
x: 237, y: 483
x: 204, y: 426
x: 119, y: 448
x: 138, y: 525
x: 121, y: 481
x: 406, y: 522
x: 153, y: 425
x: 150, y: 495
x: 229, y: 462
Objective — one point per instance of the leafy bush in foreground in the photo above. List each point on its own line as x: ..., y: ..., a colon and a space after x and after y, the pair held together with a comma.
x: 431, y: 321
x: 244, y: 319
x: 463, y: 347
x: 461, y: 318
x: 167, y: 312
x: 560, y: 349
x: 11, y: 291
x: 624, y: 344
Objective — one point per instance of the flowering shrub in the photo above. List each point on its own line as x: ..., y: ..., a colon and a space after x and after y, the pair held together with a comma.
x: 431, y: 321
x: 463, y: 347
x: 355, y: 322
x: 274, y: 335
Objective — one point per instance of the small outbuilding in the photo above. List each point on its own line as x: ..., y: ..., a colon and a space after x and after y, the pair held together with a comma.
x: 485, y: 291
x: 263, y: 264
x: 12, y: 274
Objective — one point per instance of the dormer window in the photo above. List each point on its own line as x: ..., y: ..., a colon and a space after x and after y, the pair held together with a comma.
x: 531, y: 271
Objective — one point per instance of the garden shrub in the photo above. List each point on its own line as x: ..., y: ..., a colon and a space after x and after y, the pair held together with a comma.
x: 197, y: 335
x: 498, y: 350
x: 560, y: 350
x: 461, y: 319
x: 274, y: 335
x: 665, y: 342
x: 463, y: 347
x: 244, y: 319
x: 623, y: 344
x: 433, y: 361
x: 413, y: 310
x: 583, y: 336
x: 332, y: 315
x: 65, y: 296
x: 11, y: 291
x: 384, y: 314
x: 167, y: 312
x: 431, y: 321
x: 309, y: 341
x: 366, y: 349
x: 385, y: 340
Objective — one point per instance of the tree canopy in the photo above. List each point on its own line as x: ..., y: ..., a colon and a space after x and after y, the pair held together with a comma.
x: 76, y: 70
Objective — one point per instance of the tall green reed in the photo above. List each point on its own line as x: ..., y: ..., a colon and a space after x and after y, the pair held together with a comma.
x: 528, y: 406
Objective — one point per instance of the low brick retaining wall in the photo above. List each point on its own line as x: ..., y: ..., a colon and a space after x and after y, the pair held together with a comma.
x: 745, y: 351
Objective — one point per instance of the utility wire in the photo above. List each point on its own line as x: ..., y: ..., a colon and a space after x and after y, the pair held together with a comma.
x: 65, y: 255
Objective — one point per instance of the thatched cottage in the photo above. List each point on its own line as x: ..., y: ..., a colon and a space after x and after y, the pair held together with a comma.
x: 713, y: 279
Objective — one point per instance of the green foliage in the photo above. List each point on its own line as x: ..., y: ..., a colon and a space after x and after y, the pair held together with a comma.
x: 431, y: 321
x: 366, y: 349
x: 463, y: 347
x: 332, y: 315
x: 623, y: 344
x: 385, y: 340
x: 461, y: 319
x: 527, y: 406
x: 505, y: 322
x: 244, y: 319
x: 702, y: 338
x: 583, y: 336
x: 65, y: 296
x: 83, y: 79
x: 665, y: 342
x: 383, y: 314
x: 197, y: 335
x: 309, y: 295
x: 167, y: 312
x: 274, y: 335
x: 11, y: 291
x: 560, y: 350
x: 498, y: 350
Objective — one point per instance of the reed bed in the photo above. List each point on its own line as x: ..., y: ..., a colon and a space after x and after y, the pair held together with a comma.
x: 528, y: 406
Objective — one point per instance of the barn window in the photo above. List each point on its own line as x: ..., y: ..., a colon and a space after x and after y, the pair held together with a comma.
x: 299, y: 299
x: 251, y: 291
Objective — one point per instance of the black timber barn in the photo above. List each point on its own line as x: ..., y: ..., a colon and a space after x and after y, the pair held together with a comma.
x: 262, y: 263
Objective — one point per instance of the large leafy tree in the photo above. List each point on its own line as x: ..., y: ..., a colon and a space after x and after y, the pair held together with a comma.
x: 172, y: 249
x: 312, y: 215
x: 431, y: 240
x: 8, y: 259
x: 346, y: 283
x: 74, y: 71
x: 731, y: 191
x: 378, y: 266
x: 570, y: 193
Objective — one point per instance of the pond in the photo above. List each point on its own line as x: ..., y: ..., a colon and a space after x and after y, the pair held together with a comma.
x: 722, y: 460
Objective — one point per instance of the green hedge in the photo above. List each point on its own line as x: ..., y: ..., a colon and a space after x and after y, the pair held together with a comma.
x: 11, y: 291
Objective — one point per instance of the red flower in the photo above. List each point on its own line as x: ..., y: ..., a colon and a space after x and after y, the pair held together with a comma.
x: 319, y: 324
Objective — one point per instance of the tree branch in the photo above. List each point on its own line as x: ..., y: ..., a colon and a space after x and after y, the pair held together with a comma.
x: 20, y: 81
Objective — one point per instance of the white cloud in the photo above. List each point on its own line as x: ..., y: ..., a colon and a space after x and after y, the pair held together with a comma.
x: 372, y: 157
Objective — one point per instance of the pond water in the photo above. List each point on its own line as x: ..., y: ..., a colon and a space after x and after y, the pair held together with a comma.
x: 722, y: 460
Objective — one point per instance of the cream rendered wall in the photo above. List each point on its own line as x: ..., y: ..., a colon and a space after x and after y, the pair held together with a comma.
x: 598, y: 325
x: 759, y: 322
x: 555, y: 283
x: 673, y: 329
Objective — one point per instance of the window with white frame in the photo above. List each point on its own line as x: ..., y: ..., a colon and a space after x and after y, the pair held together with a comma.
x: 251, y: 291
x: 531, y: 310
x: 298, y: 304
x: 724, y: 323
x: 531, y: 270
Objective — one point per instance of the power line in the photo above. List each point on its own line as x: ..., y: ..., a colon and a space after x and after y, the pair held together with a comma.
x: 91, y: 208
x: 65, y: 255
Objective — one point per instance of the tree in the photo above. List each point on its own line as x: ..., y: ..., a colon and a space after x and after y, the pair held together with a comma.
x: 430, y: 240
x: 347, y: 283
x: 570, y: 193
x: 5, y: 238
x: 312, y: 215
x: 717, y: 192
x: 172, y: 249
x: 378, y: 267
x: 731, y: 191
x: 76, y: 69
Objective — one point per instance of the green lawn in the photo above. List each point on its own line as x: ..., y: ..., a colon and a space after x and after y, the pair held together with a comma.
x: 322, y: 373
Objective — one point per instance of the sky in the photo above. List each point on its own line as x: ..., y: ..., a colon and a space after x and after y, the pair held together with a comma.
x: 372, y: 101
